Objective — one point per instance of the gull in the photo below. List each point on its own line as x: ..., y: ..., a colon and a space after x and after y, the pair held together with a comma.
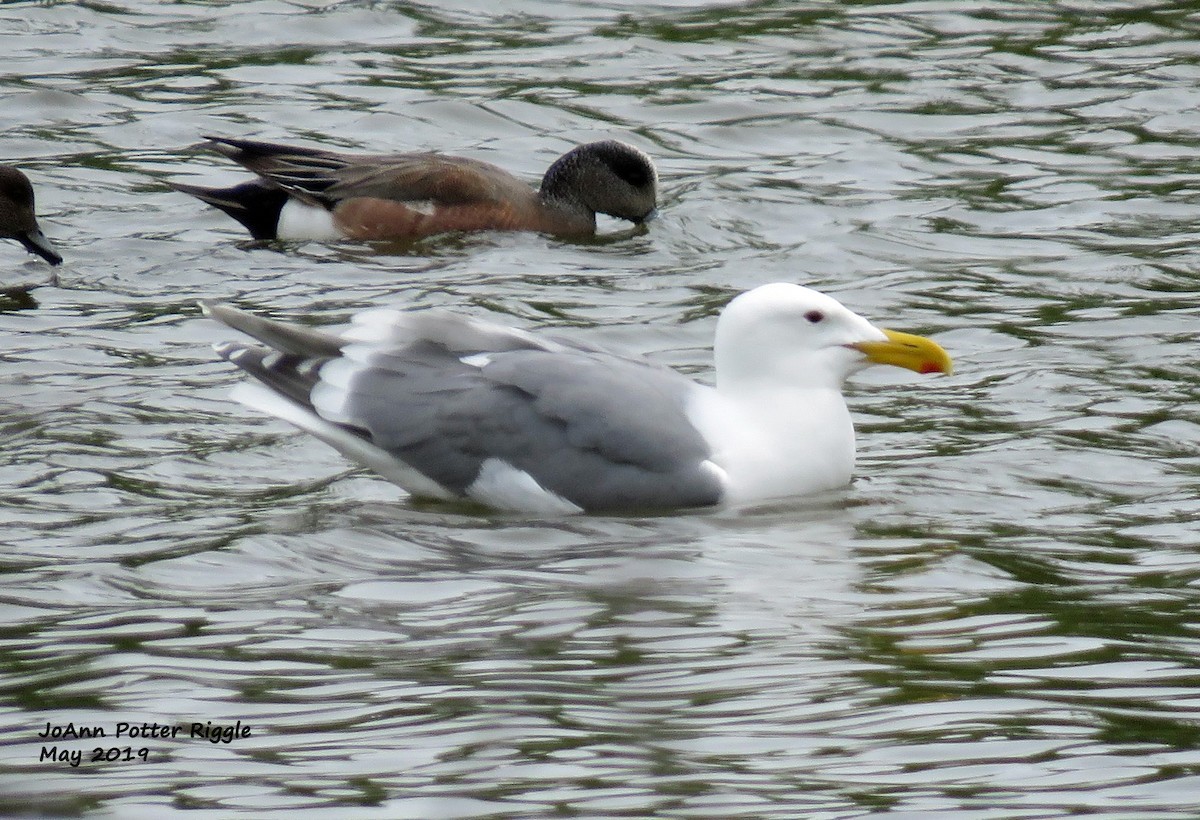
x: 451, y: 407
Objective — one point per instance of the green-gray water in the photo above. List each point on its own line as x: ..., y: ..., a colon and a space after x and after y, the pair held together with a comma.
x: 996, y: 620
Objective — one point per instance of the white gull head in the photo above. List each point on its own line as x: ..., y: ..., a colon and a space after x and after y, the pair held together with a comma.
x: 788, y: 336
x: 777, y: 421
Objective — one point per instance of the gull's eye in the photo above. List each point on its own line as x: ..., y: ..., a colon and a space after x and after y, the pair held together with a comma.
x: 814, y: 316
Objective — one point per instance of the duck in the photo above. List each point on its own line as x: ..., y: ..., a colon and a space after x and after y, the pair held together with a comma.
x: 18, y: 219
x: 315, y: 194
x: 451, y: 407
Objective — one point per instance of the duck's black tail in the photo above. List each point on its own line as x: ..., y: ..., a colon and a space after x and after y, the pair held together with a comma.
x: 255, y: 204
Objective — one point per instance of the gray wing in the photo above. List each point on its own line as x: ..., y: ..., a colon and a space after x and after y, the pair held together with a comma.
x: 602, y: 432
x: 444, y: 394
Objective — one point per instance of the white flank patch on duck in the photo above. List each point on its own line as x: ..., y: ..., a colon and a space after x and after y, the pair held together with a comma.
x: 299, y: 220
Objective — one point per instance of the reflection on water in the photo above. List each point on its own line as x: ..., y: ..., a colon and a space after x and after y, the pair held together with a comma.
x: 994, y: 620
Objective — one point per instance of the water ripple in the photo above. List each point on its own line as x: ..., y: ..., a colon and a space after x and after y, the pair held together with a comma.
x: 994, y: 620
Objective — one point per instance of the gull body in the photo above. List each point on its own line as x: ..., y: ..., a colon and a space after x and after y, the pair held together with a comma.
x: 455, y: 408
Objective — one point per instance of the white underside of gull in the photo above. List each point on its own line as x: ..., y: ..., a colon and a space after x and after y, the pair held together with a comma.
x: 782, y: 443
x: 501, y: 485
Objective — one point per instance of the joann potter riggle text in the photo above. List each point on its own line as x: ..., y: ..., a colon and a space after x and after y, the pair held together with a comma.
x: 212, y: 732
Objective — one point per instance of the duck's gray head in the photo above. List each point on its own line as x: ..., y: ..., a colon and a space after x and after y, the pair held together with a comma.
x: 607, y: 177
